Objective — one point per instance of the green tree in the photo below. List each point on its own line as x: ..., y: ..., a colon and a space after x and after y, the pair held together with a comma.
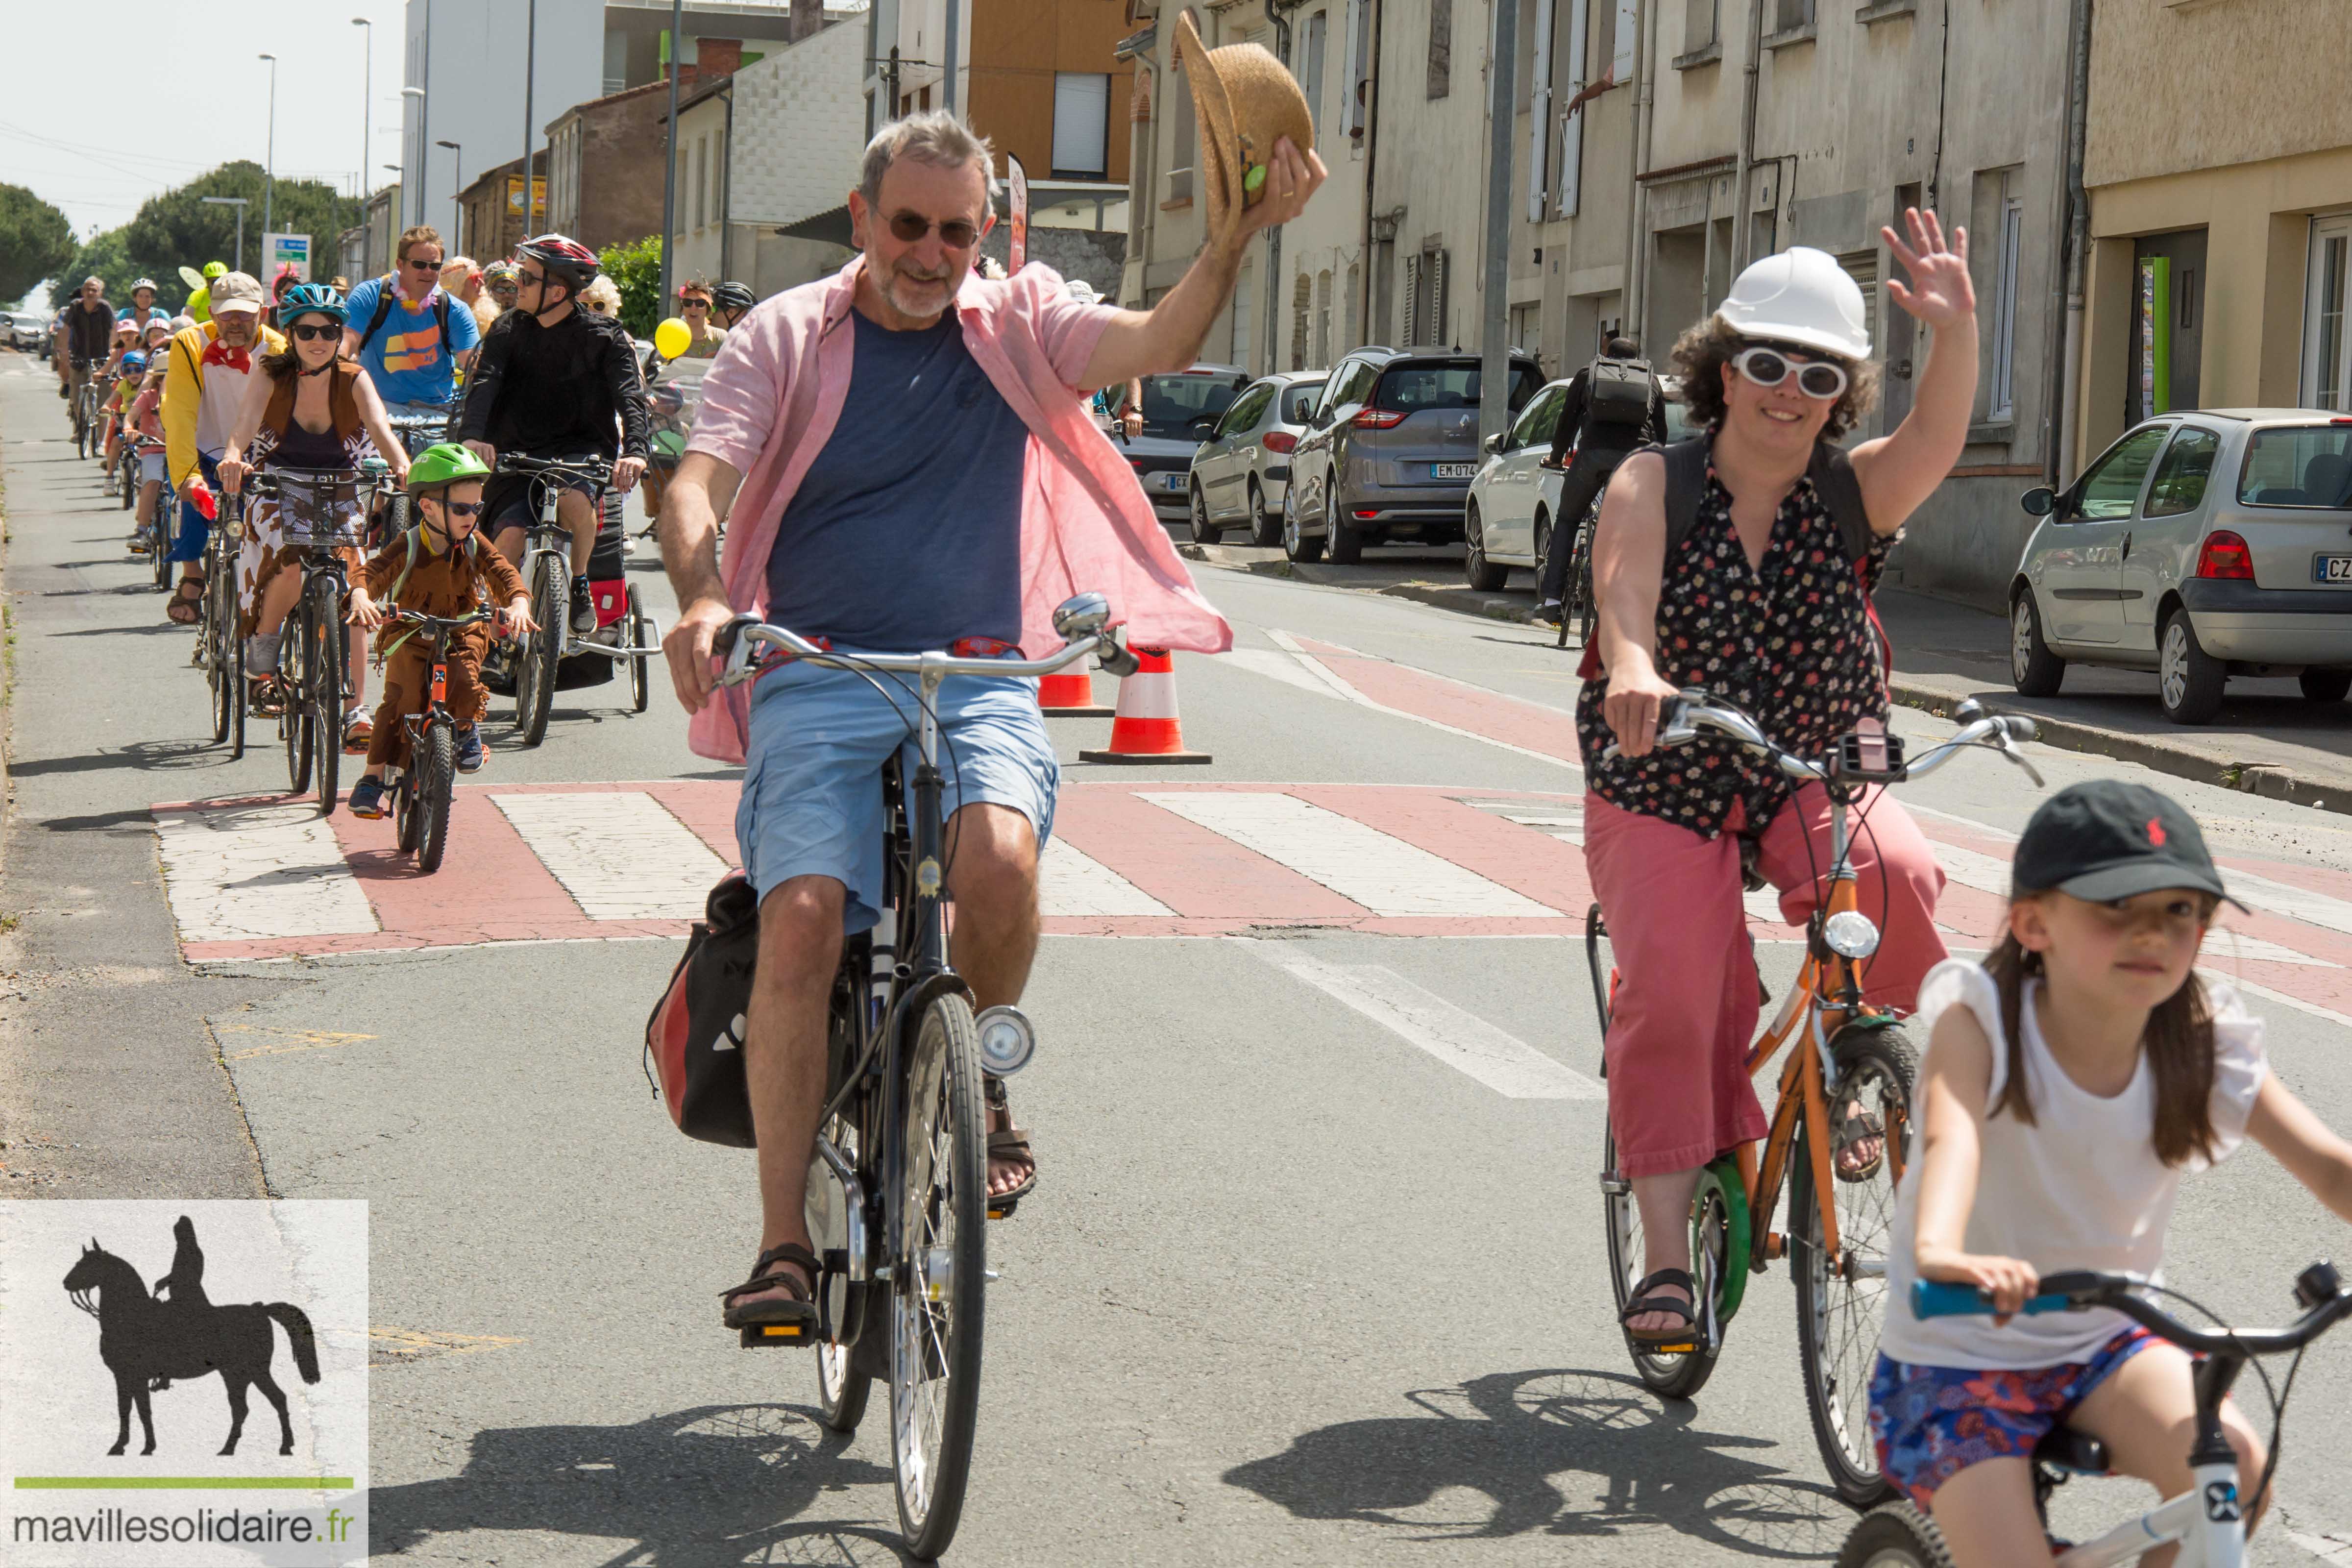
x: 35, y: 241
x: 636, y: 272
x: 104, y: 255
x: 178, y: 228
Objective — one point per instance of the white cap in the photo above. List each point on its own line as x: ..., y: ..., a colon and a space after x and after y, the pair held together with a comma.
x: 1803, y: 297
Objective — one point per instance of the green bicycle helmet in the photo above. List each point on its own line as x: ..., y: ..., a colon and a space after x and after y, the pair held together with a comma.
x: 443, y: 465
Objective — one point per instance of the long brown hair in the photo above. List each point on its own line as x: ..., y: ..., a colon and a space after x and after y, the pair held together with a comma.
x: 2179, y: 1042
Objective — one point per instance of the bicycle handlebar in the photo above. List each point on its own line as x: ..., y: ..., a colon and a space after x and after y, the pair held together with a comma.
x: 2080, y: 1291
x: 599, y: 468
x: 441, y: 622
x: 738, y: 640
x: 1682, y: 716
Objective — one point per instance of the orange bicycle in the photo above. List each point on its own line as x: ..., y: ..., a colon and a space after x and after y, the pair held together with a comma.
x: 1850, y: 1054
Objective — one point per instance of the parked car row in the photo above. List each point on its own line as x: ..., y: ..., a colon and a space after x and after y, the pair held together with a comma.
x: 1514, y: 503
x: 27, y: 330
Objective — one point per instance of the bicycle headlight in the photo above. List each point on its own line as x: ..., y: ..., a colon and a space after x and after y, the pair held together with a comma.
x: 1007, y: 1040
x: 1850, y: 934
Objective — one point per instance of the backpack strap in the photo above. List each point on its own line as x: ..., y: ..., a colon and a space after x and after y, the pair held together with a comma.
x: 1834, y: 478
x: 384, y: 286
x: 1686, y: 487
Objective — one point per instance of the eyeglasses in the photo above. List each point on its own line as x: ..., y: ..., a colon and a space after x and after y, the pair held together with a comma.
x: 956, y: 234
x: 1817, y: 379
x: 529, y: 280
x: 325, y: 332
x: 421, y: 265
x: 462, y: 508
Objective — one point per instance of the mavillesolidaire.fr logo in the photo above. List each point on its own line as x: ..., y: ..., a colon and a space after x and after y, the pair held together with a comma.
x: 184, y: 1384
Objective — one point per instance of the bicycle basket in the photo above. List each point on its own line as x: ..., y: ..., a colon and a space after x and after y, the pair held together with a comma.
x: 321, y: 510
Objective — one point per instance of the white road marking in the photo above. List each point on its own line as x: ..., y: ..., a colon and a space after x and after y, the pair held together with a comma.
x: 242, y: 873
x: 1384, y: 874
x: 1277, y: 665
x: 619, y: 853
x: 1071, y: 882
x: 1315, y: 668
x: 1462, y: 1040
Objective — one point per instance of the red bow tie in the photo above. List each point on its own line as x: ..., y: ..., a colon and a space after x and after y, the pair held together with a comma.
x: 219, y: 353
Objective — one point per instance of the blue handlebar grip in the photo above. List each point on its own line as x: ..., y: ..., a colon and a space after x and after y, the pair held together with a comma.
x: 1942, y: 1299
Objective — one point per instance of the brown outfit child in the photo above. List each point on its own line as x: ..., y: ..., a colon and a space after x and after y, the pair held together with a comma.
x: 444, y: 584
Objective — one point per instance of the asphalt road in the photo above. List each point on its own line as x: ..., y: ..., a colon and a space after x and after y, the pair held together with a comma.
x: 1298, y: 1286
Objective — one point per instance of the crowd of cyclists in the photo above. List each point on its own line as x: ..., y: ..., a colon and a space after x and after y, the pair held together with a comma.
x: 2068, y: 1081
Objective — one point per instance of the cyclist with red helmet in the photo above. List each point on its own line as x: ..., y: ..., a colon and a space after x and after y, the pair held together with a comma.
x: 554, y: 382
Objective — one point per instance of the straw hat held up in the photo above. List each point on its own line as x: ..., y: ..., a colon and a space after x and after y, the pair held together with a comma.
x: 1245, y: 101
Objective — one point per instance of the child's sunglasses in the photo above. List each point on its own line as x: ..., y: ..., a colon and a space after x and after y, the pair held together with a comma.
x: 310, y: 334
x: 462, y: 508
x: 1816, y: 379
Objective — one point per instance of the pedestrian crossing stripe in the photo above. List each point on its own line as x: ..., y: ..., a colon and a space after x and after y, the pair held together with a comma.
x: 268, y: 878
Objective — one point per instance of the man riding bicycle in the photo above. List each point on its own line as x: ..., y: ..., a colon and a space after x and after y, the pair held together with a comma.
x: 204, y: 386
x: 962, y: 540
x: 560, y: 382
x: 407, y: 334
x: 87, y: 338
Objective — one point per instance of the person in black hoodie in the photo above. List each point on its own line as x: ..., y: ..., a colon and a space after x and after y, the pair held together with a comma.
x: 554, y: 382
x: 1604, y: 428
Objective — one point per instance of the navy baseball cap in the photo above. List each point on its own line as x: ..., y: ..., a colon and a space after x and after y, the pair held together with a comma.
x: 2108, y: 839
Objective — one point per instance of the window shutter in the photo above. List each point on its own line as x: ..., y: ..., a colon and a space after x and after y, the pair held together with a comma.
x: 1298, y: 303
x: 1411, y: 300
x: 1437, y: 300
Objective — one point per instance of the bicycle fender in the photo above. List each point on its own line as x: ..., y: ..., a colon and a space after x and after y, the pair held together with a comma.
x: 1731, y: 1273
x: 912, y: 1001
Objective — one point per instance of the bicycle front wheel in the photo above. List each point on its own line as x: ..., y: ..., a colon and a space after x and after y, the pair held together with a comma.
x: 326, y: 670
x: 294, y: 718
x: 938, y: 1274
x: 1841, y: 1300
x: 436, y: 771
x: 214, y: 636
x: 551, y: 607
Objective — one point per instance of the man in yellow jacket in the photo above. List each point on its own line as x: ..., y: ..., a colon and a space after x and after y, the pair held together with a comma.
x: 203, y: 383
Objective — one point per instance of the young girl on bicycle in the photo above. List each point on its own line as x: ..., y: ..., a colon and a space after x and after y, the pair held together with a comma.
x: 2070, y: 1081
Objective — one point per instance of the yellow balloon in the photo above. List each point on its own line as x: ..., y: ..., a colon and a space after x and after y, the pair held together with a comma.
x: 672, y: 338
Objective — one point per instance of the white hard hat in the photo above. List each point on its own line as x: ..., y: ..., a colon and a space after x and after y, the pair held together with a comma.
x: 1800, y: 297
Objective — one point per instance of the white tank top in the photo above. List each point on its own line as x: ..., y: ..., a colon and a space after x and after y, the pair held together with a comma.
x: 2081, y: 1187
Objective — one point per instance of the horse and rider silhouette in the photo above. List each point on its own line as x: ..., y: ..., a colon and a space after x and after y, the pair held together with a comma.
x: 149, y: 1340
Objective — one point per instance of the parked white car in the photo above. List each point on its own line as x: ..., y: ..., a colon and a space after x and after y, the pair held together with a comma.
x: 1515, y: 500
x: 1242, y: 471
x: 2200, y: 546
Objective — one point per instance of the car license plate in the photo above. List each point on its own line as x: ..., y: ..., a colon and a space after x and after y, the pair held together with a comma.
x: 2331, y: 568
x: 1172, y: 481
x: 1451, y: 470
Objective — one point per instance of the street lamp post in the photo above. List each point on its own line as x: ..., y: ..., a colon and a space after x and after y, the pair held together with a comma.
x: 530, y: 59
x: 270, y: 170
x: 422, y: 130
x: 367, y: 105
x: 239, y: 204
x: 456, y: 190
x: 669, y: 150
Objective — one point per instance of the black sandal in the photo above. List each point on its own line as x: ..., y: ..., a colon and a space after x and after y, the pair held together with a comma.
x: 1007, y: 1143
x: 768, y: 1274
x: 1643, y: 1301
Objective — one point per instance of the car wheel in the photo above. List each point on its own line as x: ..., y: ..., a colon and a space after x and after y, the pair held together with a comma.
x: 1266, y: 528
x: 2188, y: 680
x: 2325, y: 685
x: 1203, y: 531
x: 1543, y: 548
x: 1346, y: 545
x: 1477, y: 570
x: 2033, y: 670
x: 1298, y: 546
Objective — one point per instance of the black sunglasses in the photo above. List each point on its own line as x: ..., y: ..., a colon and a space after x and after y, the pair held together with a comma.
x: 697, y: 305
x: 956, y: 234
x: 323, y: 331
x: 529, y: 280
x: 462, y: 508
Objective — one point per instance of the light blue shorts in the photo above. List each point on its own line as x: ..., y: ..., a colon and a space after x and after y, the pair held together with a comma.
x: 812, y: 802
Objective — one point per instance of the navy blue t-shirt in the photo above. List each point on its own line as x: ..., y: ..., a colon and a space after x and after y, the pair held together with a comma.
x: 906, y: 534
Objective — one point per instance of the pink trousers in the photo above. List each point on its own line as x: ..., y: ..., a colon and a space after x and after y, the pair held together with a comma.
x: 1686, y: 1008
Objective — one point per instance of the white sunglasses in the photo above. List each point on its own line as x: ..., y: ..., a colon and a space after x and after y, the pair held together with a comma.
x: 1817, y: 379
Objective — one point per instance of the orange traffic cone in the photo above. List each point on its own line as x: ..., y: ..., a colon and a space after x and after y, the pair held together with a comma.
x: 1146, y: 729
x: 1070, y: 695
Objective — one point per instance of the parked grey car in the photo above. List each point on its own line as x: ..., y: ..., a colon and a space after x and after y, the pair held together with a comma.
x: 1391, y: 451
x: 2200, y: 546
x: 1242, y: 471
x: 1179, y: 413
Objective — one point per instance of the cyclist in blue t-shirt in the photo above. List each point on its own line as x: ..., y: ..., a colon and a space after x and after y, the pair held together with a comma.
x: 143, y: 308
x: 408, y: 335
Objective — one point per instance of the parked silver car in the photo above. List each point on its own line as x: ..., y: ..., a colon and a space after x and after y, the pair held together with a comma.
x: 1179, y: 413
x: 28, y: 329
x: 1242, y: 471
x: 1514, y: 500
x: 1393, y: 445
x: 2200, y: 546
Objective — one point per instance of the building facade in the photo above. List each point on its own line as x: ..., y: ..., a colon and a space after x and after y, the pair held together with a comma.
x: 604, y: 167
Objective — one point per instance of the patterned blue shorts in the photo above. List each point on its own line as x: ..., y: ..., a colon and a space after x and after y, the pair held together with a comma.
x: 1930, y: 1423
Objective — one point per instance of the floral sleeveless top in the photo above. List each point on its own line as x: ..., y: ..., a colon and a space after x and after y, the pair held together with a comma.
x: 1789, y: 643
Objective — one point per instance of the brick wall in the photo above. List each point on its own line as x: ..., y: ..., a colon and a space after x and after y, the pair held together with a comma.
x: 621, y: 164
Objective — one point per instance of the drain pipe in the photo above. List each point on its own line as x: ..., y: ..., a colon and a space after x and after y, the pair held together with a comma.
x: 1633, y: 296
x: 1279, y: 13
x: 1741, y: 215
x: 2078, y: 244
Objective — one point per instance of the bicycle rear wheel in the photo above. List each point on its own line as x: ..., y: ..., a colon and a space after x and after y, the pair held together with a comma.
x: 159, y: 533
x: 551, y: 607
x: 938, y: 1276
x: 1840, y: 1306
x: 843, y: 1386
x: 325, y: 629
x: 437, y: 770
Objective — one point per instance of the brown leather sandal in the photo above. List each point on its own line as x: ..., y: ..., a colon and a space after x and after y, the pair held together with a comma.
x: 773, y: 1271
x: 1008, y: 1143
x: 183, y: 607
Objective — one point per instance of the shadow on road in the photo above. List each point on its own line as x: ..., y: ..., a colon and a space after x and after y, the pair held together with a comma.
x: 1569, y: 1453
x: 144, y: 756
x: 712, y: 1487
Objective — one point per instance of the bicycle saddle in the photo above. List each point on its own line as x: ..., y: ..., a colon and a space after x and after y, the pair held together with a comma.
x: 2063, y: 1449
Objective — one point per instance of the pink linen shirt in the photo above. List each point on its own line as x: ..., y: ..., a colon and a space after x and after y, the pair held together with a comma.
x: 772, y: 395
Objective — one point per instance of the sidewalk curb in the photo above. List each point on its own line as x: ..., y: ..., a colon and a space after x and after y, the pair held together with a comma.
x: 2267, y: 780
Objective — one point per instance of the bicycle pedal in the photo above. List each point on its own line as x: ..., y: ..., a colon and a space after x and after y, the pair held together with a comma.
x: 759, y: 1335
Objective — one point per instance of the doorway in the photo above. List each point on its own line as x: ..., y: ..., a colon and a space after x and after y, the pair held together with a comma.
x: 2167, y: 324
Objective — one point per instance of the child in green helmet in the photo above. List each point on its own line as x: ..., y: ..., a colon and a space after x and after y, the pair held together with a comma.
x: 439, y: 567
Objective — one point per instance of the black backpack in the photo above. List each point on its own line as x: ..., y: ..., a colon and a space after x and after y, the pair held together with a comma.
x: 390, y: 285
x: 1618, y: 392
